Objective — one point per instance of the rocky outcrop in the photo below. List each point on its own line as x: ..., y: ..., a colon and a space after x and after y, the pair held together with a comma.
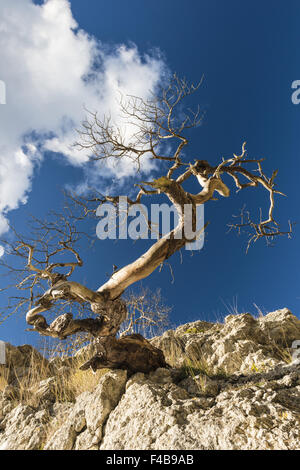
x: 261, y: 414
x: 241, y: 344
x: 238, y: 388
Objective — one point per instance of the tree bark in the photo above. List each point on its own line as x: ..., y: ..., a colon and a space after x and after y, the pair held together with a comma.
x: 132, y: 352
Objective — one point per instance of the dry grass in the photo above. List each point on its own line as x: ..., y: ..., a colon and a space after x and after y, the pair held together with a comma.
x: 3, y: 378
x: 80, y: 381
x: 68, y: 381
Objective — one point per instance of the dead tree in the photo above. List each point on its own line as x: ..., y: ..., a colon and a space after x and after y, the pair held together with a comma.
x: 153, y: 123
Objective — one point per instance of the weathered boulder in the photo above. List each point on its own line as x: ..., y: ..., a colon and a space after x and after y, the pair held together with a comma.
x: 89, y: 414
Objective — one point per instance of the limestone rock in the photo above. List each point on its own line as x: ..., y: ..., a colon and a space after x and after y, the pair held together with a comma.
x: 46, y: 390
x: 25, y: 429
x: 89, y: 414
x: 255, y: 412
x: 85, y: 441
x: 200, y: 385
x: 6, y: 406
x: 241, y: 344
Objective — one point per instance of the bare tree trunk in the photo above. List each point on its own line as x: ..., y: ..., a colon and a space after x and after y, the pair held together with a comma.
x: 155, y: 122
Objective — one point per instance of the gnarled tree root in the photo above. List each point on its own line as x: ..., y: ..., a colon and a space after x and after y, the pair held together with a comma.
x: 133, y: 353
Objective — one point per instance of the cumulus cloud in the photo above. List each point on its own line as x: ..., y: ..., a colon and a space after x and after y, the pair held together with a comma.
x: 51, y: 69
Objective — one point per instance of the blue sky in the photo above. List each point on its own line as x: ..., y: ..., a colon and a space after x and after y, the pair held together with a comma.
x: 247, y: 52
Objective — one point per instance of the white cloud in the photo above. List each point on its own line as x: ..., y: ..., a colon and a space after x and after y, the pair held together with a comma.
x: 47, y: 63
